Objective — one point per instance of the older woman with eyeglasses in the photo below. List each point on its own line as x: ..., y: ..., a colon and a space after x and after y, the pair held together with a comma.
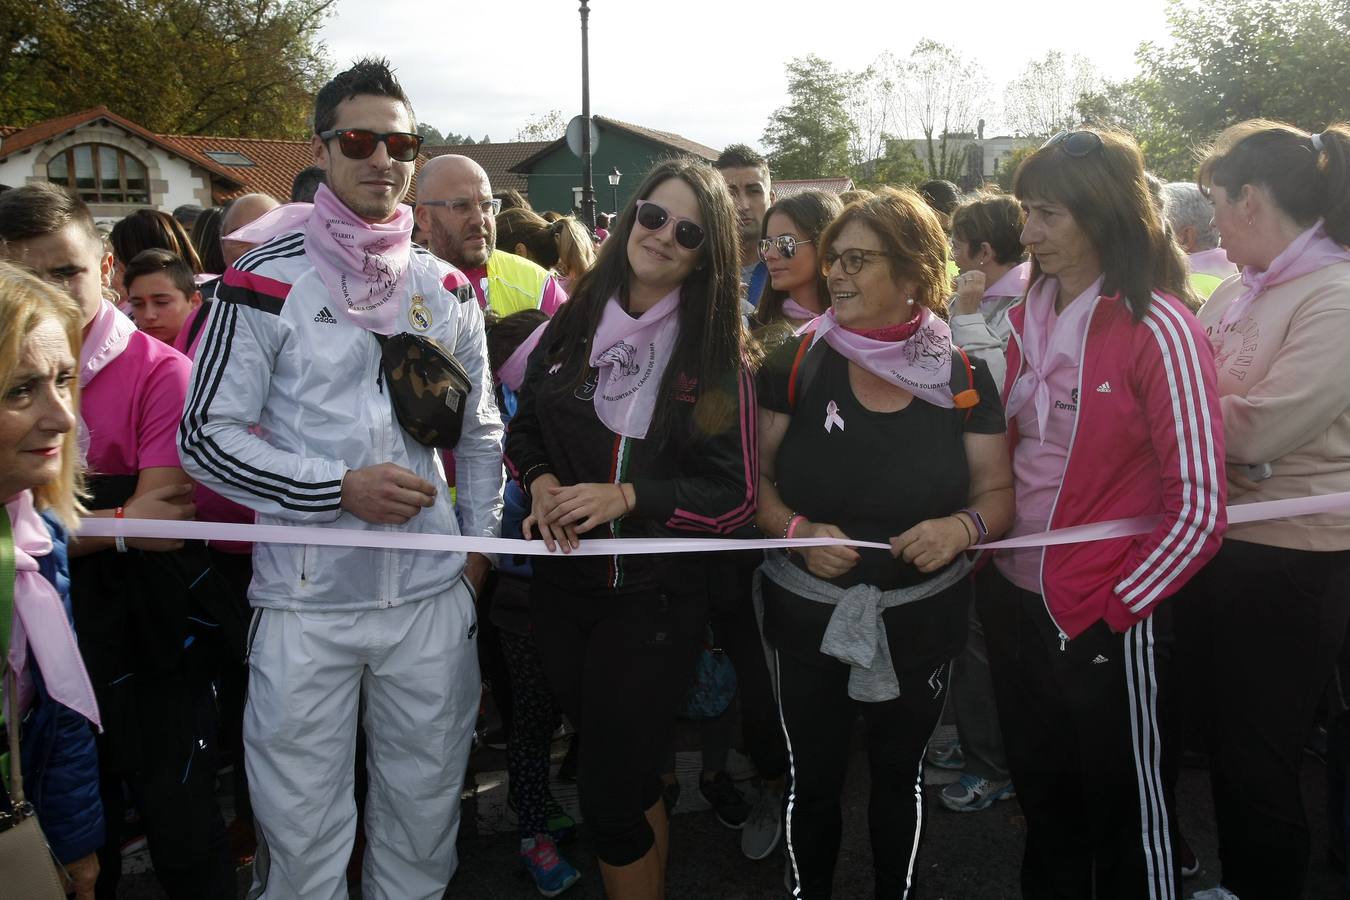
x: 1114, y: 413
x: 873, y: 427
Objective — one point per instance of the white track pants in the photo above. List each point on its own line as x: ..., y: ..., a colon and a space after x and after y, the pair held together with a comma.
x: 418, y: 666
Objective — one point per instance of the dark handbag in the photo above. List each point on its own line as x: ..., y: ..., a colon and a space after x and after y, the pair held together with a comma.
x: 428, y: 386
x: 25, y: 859
x: 714, y: 684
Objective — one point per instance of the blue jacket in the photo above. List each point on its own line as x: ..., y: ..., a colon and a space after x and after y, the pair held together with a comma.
x: 60, y: 764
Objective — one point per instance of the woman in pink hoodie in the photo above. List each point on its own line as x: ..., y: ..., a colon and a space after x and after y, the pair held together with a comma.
x: 1266, y: 617
x: 1113, y: 413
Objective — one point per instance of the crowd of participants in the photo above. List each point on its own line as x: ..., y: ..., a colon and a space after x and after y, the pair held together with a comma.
x: 924, y: 371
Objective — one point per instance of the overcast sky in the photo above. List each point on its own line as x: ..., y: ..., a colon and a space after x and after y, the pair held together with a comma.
x: 711, y: 70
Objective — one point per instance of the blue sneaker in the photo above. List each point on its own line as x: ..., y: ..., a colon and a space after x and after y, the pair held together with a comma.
x: 946, y: 756
x: 971, y: 793
x: 551, y: 873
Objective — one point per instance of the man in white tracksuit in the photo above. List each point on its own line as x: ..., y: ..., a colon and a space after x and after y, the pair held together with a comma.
x: 290, y: 413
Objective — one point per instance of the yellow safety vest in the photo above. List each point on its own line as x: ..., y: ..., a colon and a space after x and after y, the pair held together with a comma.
x: 514, y: 283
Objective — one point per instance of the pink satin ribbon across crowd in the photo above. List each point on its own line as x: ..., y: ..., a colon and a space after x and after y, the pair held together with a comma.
x: 350, y: 537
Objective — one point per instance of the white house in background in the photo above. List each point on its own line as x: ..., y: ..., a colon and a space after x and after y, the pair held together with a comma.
x: 113, y: 164
x: 985, y: 157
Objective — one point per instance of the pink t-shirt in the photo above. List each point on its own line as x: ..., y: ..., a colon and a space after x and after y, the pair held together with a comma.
x: 132, y: 408
x: 1038, y: 469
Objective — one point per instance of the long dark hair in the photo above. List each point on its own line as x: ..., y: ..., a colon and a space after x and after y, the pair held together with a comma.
x: 1109, y: 198
x: 1307, y: 183
x: 147, y: 229
x: 711, y: 344
x: 811, y: 212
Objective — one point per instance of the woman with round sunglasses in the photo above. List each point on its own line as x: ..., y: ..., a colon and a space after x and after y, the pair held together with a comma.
x: 1113, y: 413
x: 1271, y: 608
x: 872, y: 426
x: 54, y: 703
x: 797, y: 290
x: 633, y: 421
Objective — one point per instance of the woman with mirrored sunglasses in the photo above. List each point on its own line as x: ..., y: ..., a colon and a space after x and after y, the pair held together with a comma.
x: 797, y: 291
x: 1113, y: 410
x: 633, y: 421
x: 866, y: 433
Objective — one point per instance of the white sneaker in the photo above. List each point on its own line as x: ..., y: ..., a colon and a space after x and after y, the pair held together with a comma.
x: 764, y: 826
x: 1215, y: 893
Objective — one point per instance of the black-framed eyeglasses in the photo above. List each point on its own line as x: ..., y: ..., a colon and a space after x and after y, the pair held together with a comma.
x: 653, y: 217
x: 852, y: 260
x: 360, y: 143
x: 785, y: 244
x: 1076, y: 144
x: 461, y: 206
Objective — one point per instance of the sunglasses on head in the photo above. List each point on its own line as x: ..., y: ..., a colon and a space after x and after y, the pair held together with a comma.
x: 1076, y: 144
x: 654, y: 216
x: 785, y: 244
x: 358, y: 143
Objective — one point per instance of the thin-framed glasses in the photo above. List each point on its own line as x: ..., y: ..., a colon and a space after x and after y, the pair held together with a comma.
x: 460, y: 206
x: 785, y: 244
x: 360, y: 143
x: 852, y: 260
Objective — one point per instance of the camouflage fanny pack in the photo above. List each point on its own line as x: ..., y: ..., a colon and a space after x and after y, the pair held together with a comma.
x: 428, y: 386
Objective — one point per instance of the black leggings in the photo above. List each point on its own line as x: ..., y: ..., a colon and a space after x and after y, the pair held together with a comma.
x: 620, y: 664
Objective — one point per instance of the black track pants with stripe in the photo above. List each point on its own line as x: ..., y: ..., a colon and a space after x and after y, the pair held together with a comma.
x: 818, y: 719
x: 1085, y: 728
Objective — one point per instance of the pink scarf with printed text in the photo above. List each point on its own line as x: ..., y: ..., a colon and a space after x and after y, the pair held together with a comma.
x: 363, y: 264
x: 1049, y: 342
x: 40, y: 624
x: 631, y: 356
x: 1312, y: 250
x: 920, y: 363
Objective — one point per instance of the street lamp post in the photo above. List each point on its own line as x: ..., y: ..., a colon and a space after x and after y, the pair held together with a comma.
x: 587, y: 188
x: 614, y: 186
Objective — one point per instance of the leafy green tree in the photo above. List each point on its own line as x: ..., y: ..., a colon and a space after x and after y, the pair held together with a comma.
x: 897, y: 167
x: 227, y: 67
x: 1231, y: 60
x: 430, y: 135
x: 1009, y: 167
x: 809, y: 137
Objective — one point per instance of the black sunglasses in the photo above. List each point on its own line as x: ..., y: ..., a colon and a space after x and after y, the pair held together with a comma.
x: 358, y: 143
x: 1076, y: 144
x: 654, y: 216
x: 785, y: 244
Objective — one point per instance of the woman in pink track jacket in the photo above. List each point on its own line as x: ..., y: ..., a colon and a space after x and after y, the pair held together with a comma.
x: 1113, y: 413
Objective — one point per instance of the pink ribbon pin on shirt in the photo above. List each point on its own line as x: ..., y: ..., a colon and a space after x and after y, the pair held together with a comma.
x: 832, y: 417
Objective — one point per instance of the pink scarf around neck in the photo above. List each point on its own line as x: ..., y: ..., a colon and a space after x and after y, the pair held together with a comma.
x: 1049, y: 342
x: 40, y: 624
x: 1312, y: 250
x: 364, y: 265
x: 512, y: 372
x: 1013, y: 283
x: 108, y: 335
x: 921, y: 363
x: 796, y: 312
x: 632, y: 355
